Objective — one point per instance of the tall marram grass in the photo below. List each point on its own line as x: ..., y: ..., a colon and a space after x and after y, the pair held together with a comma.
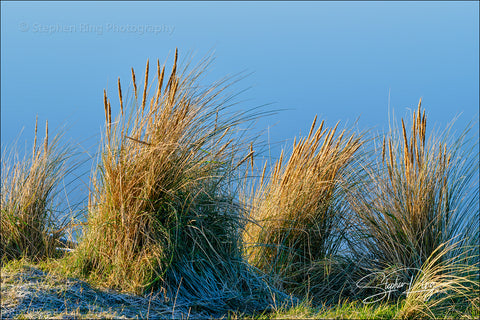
x: 298, y: 211
x: 163, y: 214
x: 416, y: 213
x: 30, y: 224
x: 446, y: 285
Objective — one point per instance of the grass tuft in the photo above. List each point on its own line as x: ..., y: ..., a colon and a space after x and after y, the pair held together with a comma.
x: 446, y: 285
x: 31, y: 226
x: 163, y: 213
x: 297, y: 214
x: 415, y: 215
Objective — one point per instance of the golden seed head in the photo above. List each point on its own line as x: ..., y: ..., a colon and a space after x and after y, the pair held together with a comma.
x: 45, y: 144
x: 134, y: 83
x: 120, y: 96
x: 145, y: 86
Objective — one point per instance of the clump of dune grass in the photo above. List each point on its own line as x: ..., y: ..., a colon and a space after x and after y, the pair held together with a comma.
x: 297, y: 214
x: 418, y: 198
x: 163, y: 214
x: 446, y: 285
x: 31, y: 225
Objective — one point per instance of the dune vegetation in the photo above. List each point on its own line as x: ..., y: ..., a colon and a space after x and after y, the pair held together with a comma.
x: 298, y: 214
x: 182, y: 222
x: 32, y: 222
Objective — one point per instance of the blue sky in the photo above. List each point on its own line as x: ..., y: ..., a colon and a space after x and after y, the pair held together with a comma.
x: 339, y: 60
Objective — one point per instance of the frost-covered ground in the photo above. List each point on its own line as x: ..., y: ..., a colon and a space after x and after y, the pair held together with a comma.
x: 28, y: 292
